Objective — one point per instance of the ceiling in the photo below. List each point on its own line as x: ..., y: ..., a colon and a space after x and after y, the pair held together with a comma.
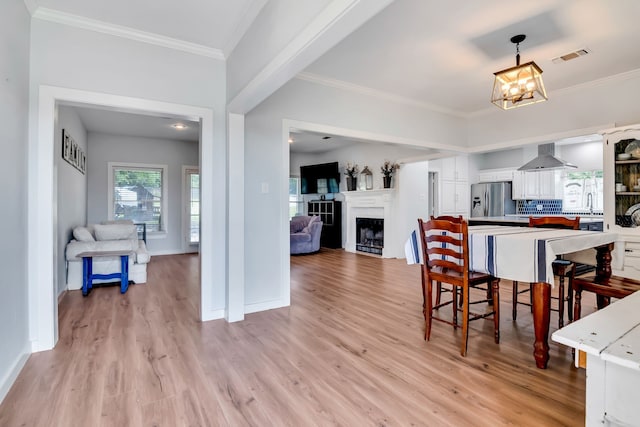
x: 443, y: 53
x: 307, y: 142
x: 439, y: 54
x: 137, y: 125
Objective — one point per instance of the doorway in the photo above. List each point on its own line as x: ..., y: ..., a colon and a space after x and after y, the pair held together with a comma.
x: 43, y: 307
x: 190, y: 208
x: 432, y: 200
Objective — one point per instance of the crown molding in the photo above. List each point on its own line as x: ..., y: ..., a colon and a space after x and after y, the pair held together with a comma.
x: 248, y: 16
x: 63, y: 18
x: 31, y: 5
x: 337, y: 20
x: 340, y: 84
x: 363, y: 90
x: 627, y: 75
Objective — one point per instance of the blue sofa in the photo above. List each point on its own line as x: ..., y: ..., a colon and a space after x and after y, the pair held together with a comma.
x: 305, y: 234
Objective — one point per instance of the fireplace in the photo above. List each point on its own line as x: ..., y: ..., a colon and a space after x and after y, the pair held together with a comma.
x: 370, y: 235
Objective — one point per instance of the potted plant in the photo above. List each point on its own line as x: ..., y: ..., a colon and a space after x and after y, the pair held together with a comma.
x: 351, y: 171
x: 387, y: 171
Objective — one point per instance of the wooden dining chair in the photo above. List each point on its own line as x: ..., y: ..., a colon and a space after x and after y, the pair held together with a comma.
x: 561, y: 268
x: 439, y: 288
x: 445, y: 251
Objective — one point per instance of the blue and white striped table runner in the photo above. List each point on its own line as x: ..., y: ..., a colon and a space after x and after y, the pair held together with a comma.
x: 518, y: 253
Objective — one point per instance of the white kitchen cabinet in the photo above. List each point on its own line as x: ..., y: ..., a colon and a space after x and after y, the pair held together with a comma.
x: 454, y: 198
x: 620, y: 207
x: 455, y: 168
x: 542, y: 185
x: 495, y: 175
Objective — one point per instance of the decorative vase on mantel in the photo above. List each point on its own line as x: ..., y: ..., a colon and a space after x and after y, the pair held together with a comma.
x: 352, y: 183
x: 386, y: 181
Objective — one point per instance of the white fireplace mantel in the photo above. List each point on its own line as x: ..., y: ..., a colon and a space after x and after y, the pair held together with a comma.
x: 371, y: 204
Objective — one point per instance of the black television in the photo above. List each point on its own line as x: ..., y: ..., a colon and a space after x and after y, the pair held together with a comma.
x: 320, y: 179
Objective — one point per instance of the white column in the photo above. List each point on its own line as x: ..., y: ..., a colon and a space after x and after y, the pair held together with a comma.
x: 235, y: 284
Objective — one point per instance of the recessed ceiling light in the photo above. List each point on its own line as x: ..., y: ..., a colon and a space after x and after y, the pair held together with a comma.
x: 290, y: 140
x: 179, y: 126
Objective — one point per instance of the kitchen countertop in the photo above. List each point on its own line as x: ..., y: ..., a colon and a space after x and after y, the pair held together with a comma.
x: 525, y: 218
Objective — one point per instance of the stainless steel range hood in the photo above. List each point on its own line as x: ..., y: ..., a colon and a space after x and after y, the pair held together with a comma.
x: 546, y: 160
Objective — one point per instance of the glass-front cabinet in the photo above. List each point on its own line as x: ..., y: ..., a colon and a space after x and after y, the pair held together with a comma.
x: 622, y: 197
x: 623, y: 180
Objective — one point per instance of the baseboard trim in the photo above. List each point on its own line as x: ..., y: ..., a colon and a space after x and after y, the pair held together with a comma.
x: 264, y: 306
x: 213, y: 315
x: 62, y: 295
x: 168, y: 252
x: 11, y: 376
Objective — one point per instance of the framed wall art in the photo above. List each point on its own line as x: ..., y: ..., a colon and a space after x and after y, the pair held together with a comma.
x: 72, y: 153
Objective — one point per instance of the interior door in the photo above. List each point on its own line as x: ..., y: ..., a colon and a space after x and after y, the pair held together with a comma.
x: 191, y: 211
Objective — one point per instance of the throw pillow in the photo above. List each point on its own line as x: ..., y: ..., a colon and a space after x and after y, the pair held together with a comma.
x: 82, y: 234
x: 297, y: 223
x: 115, y: 231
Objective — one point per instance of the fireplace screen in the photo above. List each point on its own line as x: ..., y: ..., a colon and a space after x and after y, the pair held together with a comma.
x: 370, y: 235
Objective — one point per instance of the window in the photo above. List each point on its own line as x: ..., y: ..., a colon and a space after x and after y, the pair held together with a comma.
x: 193, y: 192
x: 583, y: 191
x: 296, y: 202
x: 138, y: 192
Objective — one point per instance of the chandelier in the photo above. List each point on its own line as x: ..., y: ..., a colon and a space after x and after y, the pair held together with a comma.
x: 520, y: 85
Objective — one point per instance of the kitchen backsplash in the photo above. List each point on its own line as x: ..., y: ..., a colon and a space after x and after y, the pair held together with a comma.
x: 546, y: 207
x: 539, y: 207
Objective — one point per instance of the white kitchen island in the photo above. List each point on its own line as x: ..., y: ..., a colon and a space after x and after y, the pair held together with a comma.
x: 611, y: 340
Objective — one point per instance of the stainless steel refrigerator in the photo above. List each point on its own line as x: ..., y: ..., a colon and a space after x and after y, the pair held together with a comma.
x: 492, y: 199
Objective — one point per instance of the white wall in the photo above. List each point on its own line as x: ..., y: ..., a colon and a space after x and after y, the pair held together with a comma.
x: 266, y: 158
x: 14, y: 90
x: 413, y: 198
x: 277, y: 24
x: 71, y: 197
x: 586, y: 155
x: 104, y: 148
x: 69, y: 57
x: 583, y: 107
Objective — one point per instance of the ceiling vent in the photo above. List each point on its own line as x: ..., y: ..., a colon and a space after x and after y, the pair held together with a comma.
x: 571, y: 55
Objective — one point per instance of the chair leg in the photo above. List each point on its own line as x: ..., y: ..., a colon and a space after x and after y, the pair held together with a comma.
x: 465, y: 320
x: 531, y: 297
x: 514, y: 307
x: 577, y: 304
x: 561, y: 302
x: 424, y: 298
x: 454, y: 305
x: 572, y: 274
x: 495, y: 292
x: 428, y: 319
x: 602, y: 301
x: 438, y: 292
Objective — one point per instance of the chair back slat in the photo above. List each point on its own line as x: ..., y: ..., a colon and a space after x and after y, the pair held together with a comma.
x: 445, y: 245
x: 444, y: 253
x: 555, y: 222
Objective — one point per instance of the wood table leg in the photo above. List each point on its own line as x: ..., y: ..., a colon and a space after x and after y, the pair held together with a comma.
x: 541, y: 316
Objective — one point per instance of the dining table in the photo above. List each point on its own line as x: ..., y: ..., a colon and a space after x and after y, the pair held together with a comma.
x: 526, y: 255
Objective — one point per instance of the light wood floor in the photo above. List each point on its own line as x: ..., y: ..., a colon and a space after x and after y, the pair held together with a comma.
x: 349, y: 351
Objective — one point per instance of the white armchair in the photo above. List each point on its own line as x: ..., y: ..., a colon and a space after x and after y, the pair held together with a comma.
x: 121, y: 235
